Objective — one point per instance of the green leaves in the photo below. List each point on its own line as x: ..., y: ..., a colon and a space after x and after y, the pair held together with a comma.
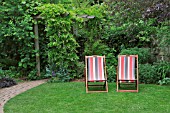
x: 69, y: 31
x: 51, y: 11
x: 62, y: 45
x: 17, y: 34
x: 148, y: 74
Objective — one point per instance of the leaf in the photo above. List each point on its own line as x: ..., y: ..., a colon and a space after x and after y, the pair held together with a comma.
x: 25, y: 65
x: 20, y: 64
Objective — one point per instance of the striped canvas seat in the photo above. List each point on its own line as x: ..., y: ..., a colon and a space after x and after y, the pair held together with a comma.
x: 95, y: 69
x: 127, y: 71
x: 95, y: 72
x: 126, y: 68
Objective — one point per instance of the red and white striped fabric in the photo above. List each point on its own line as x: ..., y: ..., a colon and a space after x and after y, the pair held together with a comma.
x: 95, y: 68
x: 126, y: 68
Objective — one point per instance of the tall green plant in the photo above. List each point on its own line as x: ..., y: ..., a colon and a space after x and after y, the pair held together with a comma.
x: 17, y: 37
x: 163, y: 69
x: 62, y: 45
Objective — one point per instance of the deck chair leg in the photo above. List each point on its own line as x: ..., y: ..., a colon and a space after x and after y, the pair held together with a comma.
x: 85, y: 75
x: 85, y: 82
x: 86, y: 86
x: 104, y: 86
x: 119, y: 84
x: 137, y: 85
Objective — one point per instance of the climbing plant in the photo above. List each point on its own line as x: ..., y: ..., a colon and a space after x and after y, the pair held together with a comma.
x: 62, y: 45
x: 17, y: 37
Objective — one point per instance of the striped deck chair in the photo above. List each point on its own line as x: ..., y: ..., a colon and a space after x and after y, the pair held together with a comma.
x: 95, y: 73
x: 127, y: 72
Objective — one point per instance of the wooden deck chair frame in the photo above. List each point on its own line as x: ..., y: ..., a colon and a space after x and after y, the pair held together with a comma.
x: 126, y: 81
x: 105, y: 85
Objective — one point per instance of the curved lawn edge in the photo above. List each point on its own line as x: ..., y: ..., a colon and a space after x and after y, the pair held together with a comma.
x: 7, y: 93
x: 72, y: 98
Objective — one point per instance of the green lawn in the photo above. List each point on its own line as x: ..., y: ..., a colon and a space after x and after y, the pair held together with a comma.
x: 72, y: 98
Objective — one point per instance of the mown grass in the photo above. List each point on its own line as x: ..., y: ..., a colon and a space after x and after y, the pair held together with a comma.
x: 72, y: 98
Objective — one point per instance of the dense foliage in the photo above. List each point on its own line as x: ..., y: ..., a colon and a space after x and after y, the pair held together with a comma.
x: 71, y: 29
x: 62, y: 45
x: 17, y: 37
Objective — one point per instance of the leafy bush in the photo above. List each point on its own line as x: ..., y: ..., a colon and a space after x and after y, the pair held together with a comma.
x: 11, y: 72
x: 60, y: 75
x: 32, y: 75
x: 7, y: 82
x: 162, y: 69
x: 111, y: 72
x: 144, y: 54
x: 163, y: 34
x: 147, y: 74
x: 111, y: 63
x: 159, y: 11
x: 80, y: 70
x: 62, y: 44
x: 164, y: 81
x: 77, y: 29
x: 17, y: 37
x: 48, y: 72
x: 63, y: 75
x: 95, y: 47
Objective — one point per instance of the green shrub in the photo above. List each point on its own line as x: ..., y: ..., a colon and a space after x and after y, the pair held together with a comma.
x: 48, y: 72
x: 32, y: 75
x: 17, y: 40
x: 58, y: 74
x: 80, y: 70
x: 164, y: 81
x: 147, y: 74
x: 162, y: 69
x: 144, y: 55
x: 63, y: 75
x: 111, y: 63
x: 111, y: 73
x: 11, y: 72
x: 62, y: 43
x: 5, y: 79
x: 95, y: 47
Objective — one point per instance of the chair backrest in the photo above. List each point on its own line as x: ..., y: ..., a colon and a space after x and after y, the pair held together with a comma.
x: 95, y: 68
x: 126, y: 67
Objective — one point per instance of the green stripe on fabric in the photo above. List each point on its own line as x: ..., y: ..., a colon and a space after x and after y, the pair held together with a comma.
x: 126, y: 68
x: 96, y: 68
